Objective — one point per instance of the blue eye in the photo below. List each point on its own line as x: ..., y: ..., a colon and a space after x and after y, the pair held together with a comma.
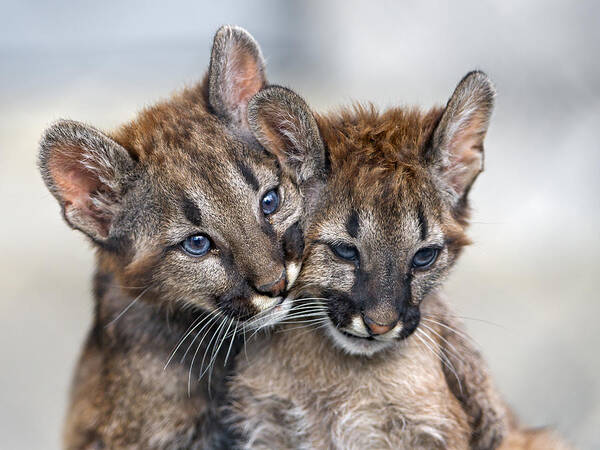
x: 344, y: 251
x: 269, y: 202
x: 425, y: 257
x: 197, y: 245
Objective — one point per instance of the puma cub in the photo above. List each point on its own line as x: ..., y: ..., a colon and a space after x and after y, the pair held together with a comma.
x: 378, y: 361
x: 195, y: 231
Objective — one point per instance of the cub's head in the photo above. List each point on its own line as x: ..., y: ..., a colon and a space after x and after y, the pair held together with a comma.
x: 183, y: 204
x: 387, y: 223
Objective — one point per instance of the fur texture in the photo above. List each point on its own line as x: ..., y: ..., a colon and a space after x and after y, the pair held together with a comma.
x: 379, y: 361
x: 185, y: 168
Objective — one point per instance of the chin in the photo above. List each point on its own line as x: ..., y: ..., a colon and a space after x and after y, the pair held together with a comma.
x: 356, y: 345
x: 272, y: 315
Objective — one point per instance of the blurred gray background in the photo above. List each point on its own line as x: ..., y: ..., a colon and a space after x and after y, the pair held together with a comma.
x: 526, y: 285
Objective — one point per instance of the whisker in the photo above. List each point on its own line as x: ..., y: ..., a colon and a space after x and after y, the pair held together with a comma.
x: 216, y: 350
x: 314, y: 328
x: 303, y: 315
x: 196, y: 352
x: 443, y: 358
x: 214, y: 315
x: 245, y: 349
x: 133, y: 302
x: 213, y: 335
x: 455, y: 351
x: 475, y: 319
x: 231, y: 343
x: 453, y: 330
x: 195, y: 324
x: 306, y: 325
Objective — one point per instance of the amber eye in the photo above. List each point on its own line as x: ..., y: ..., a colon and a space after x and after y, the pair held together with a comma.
x: 344, y: 251
x: 196, y: 245
x: 425, y: 257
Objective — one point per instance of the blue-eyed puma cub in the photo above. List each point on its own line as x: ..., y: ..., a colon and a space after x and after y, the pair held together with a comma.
x: 195, y: 231
x: 378, y: 360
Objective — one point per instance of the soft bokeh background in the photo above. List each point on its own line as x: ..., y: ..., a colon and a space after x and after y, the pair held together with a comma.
x: 527, y: 284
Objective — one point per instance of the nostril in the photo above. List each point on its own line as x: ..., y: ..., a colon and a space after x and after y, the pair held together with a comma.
x: 275, y: 288
x: 378, y: 328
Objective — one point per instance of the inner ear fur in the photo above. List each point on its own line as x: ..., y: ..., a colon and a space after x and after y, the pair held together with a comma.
x: 457, y: 143
x: 236, y: 73
x: 284, y: 124
x: 85, y: 170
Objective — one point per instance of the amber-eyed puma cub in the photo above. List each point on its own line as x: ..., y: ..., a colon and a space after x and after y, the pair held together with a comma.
x: 195, y: 231
x: 382, y: 363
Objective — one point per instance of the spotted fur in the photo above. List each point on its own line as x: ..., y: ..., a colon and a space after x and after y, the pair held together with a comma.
x: 188, y: 165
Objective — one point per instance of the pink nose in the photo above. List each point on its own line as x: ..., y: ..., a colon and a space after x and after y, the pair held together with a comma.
x: 275, y: 288
x: 378, y: 328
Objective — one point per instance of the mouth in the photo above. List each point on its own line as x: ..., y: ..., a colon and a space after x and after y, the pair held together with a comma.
x: 354, y: 336
x: 272, y: 314
x: 353, y: 344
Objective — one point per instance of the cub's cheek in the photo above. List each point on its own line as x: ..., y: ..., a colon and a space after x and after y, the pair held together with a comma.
x: 263, y: 303
x: 292, y: 271
x: 196, y: 280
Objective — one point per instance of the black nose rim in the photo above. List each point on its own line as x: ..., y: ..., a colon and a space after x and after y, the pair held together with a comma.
x: 275, y: 288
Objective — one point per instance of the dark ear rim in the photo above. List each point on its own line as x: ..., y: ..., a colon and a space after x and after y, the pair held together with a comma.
x: 298, y: 107
x: 227, y: 34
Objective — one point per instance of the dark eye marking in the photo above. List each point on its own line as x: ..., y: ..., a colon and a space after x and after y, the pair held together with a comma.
x: 345, y: 251
x: 425, y: 257
x: 248, y: 175
x: 352, y: 223
x: 269, y: 202
x: 422, y: 222
x: 191, y: 211
x: 196, y: 245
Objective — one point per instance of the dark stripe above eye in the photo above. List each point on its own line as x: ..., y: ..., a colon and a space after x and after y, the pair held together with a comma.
x: 248, y: 175
x: 422, y: 222
x: 352, y: 223
x: 191, y: 211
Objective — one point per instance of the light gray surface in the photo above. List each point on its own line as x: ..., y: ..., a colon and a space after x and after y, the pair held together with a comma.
x: 531, y: 271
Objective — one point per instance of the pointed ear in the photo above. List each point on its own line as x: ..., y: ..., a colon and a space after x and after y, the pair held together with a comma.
x: 458, y: 138
x: 236, y: 73
x: 86, y: 171
x: 283, y: 123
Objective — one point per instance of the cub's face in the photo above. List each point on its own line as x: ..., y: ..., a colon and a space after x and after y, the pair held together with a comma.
x: 216, y: 226
x: 373, y: 253
x: 183, y: 204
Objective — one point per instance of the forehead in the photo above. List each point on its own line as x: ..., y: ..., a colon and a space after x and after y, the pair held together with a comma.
x: 217, y: 171
x: 191, y: 156
x: 389, y: 204
x: 376, y: 168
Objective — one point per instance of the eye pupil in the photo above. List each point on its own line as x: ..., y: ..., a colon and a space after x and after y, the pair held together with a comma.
x: 269, y: 202
x: 197, y: 245
x: 425, y: 257
x: 344, y: 251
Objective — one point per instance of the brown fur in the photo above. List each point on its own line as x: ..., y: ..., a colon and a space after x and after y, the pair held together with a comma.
x: 395, y: 182
x: 187, y: 166
x: 299, y: 391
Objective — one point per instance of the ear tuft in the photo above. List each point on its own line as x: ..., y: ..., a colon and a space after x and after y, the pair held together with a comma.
x: 85, y: 170
x: 236, y: 73
x: 283, y: 123
x: 458, y: 138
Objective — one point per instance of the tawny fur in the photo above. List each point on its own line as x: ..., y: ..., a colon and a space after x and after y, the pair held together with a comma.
x: 297, y: 390
x: 185, y: 167
x: 389, y: 178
